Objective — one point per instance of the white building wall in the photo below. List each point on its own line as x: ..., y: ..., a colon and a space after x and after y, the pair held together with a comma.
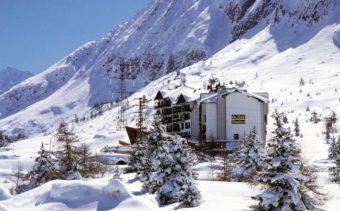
x: 211, y: 121
x: 195, y: 126
x: 239, y: 104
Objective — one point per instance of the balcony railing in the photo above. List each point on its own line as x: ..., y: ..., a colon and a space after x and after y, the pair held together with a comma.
x: 162, y: 104
x: 186, y: 108
x: 167, y: 111
x: 177, y: 110
x: 167, y: 120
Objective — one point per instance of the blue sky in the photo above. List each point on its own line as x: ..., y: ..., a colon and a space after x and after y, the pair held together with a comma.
x: 34, y: 34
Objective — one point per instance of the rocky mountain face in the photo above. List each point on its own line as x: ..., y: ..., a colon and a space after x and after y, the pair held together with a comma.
x: 246, y: 14
x: 10, y: 77
x: 166, y: 36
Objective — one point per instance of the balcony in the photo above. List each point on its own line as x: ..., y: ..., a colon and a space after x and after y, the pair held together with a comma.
x: 167, y: 120
x: 177, y: 109
x: 186, y: 108
x: 186, y: 116
x: 167, y: 111
x: 162, y: 104
x: 176, y: 128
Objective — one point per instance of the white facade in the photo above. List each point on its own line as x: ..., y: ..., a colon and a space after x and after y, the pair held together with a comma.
x: 228, y: 115
x: 243, y: 114
x: 211, y: 121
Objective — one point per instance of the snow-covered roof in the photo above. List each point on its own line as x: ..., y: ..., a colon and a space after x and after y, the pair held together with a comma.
x: 189, y: 94
x: 210, y: 97
x: 262, y: 96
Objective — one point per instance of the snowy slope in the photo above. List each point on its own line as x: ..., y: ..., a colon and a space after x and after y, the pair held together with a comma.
x: 10, y: 77
x: 165, y: 36
x: 266, y: 61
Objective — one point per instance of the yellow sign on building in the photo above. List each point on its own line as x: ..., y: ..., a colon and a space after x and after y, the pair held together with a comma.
x: 238, y: 119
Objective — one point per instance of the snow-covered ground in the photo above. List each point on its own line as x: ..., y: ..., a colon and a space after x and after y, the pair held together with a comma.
x: 91, y: 194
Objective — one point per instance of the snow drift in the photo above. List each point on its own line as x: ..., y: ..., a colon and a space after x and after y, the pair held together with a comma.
x: 4, y: 194
x: 77, y: 195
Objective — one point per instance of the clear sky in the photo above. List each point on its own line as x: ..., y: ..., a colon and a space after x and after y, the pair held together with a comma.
x: 34, y: 34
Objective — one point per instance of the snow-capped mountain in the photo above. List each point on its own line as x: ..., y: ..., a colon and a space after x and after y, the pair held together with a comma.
x: 170, y: 35
x: 10, y: 77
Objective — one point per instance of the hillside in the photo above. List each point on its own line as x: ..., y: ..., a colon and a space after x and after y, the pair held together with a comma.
x: 10, y: 77
x: 165, y: 36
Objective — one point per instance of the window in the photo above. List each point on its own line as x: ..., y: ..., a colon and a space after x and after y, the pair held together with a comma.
x: 182, y: 125
x: 186, y: 116
x: 177, y: 117
x: 168, y: 129
x: 187, y: 125
x: 236, y: 136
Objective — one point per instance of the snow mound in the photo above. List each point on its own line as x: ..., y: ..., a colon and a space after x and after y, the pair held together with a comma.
x: 4, y: 194
x: 115, y: 188
x: 73, y: 194
x: 77, y: 195
x: 336, y: 38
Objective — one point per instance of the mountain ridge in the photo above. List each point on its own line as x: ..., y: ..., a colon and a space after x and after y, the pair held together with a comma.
x: 11, y: 76
x: 87, y: 82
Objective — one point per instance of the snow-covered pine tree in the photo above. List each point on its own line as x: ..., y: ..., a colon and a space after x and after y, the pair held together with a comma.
x: 335, y: 171
x: 249, y: 157
x: 67, y: 153
x: 137, y: 157
x: 44, y: 169
x: 155, y: 139
x: 333, y: 151
x: 288, y: 183
x: 297, y: 127
x: 3, y: 139
x: 302, y: 82
x: 174, y: 173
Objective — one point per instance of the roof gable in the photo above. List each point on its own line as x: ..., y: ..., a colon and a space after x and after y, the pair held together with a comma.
x: 159, y: 95
x: 261, y: 96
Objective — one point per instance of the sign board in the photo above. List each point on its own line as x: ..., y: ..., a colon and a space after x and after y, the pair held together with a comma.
x: 238, y: 119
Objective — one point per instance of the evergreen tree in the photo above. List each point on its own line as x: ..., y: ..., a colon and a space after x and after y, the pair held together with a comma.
x: 330, y: 126
x: 174, y: 174
x: 288, y: 183
x: 249, y: 157
x: 302, y: 82
x: 335, y: 171
x: 297, y: 127
x: 137, y: 158
x: 67, y: 154
x: 333, y: 151
x: 154, y: 140
x: 44, y: 169
x: 315, y: 117
x: 3, y: 139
